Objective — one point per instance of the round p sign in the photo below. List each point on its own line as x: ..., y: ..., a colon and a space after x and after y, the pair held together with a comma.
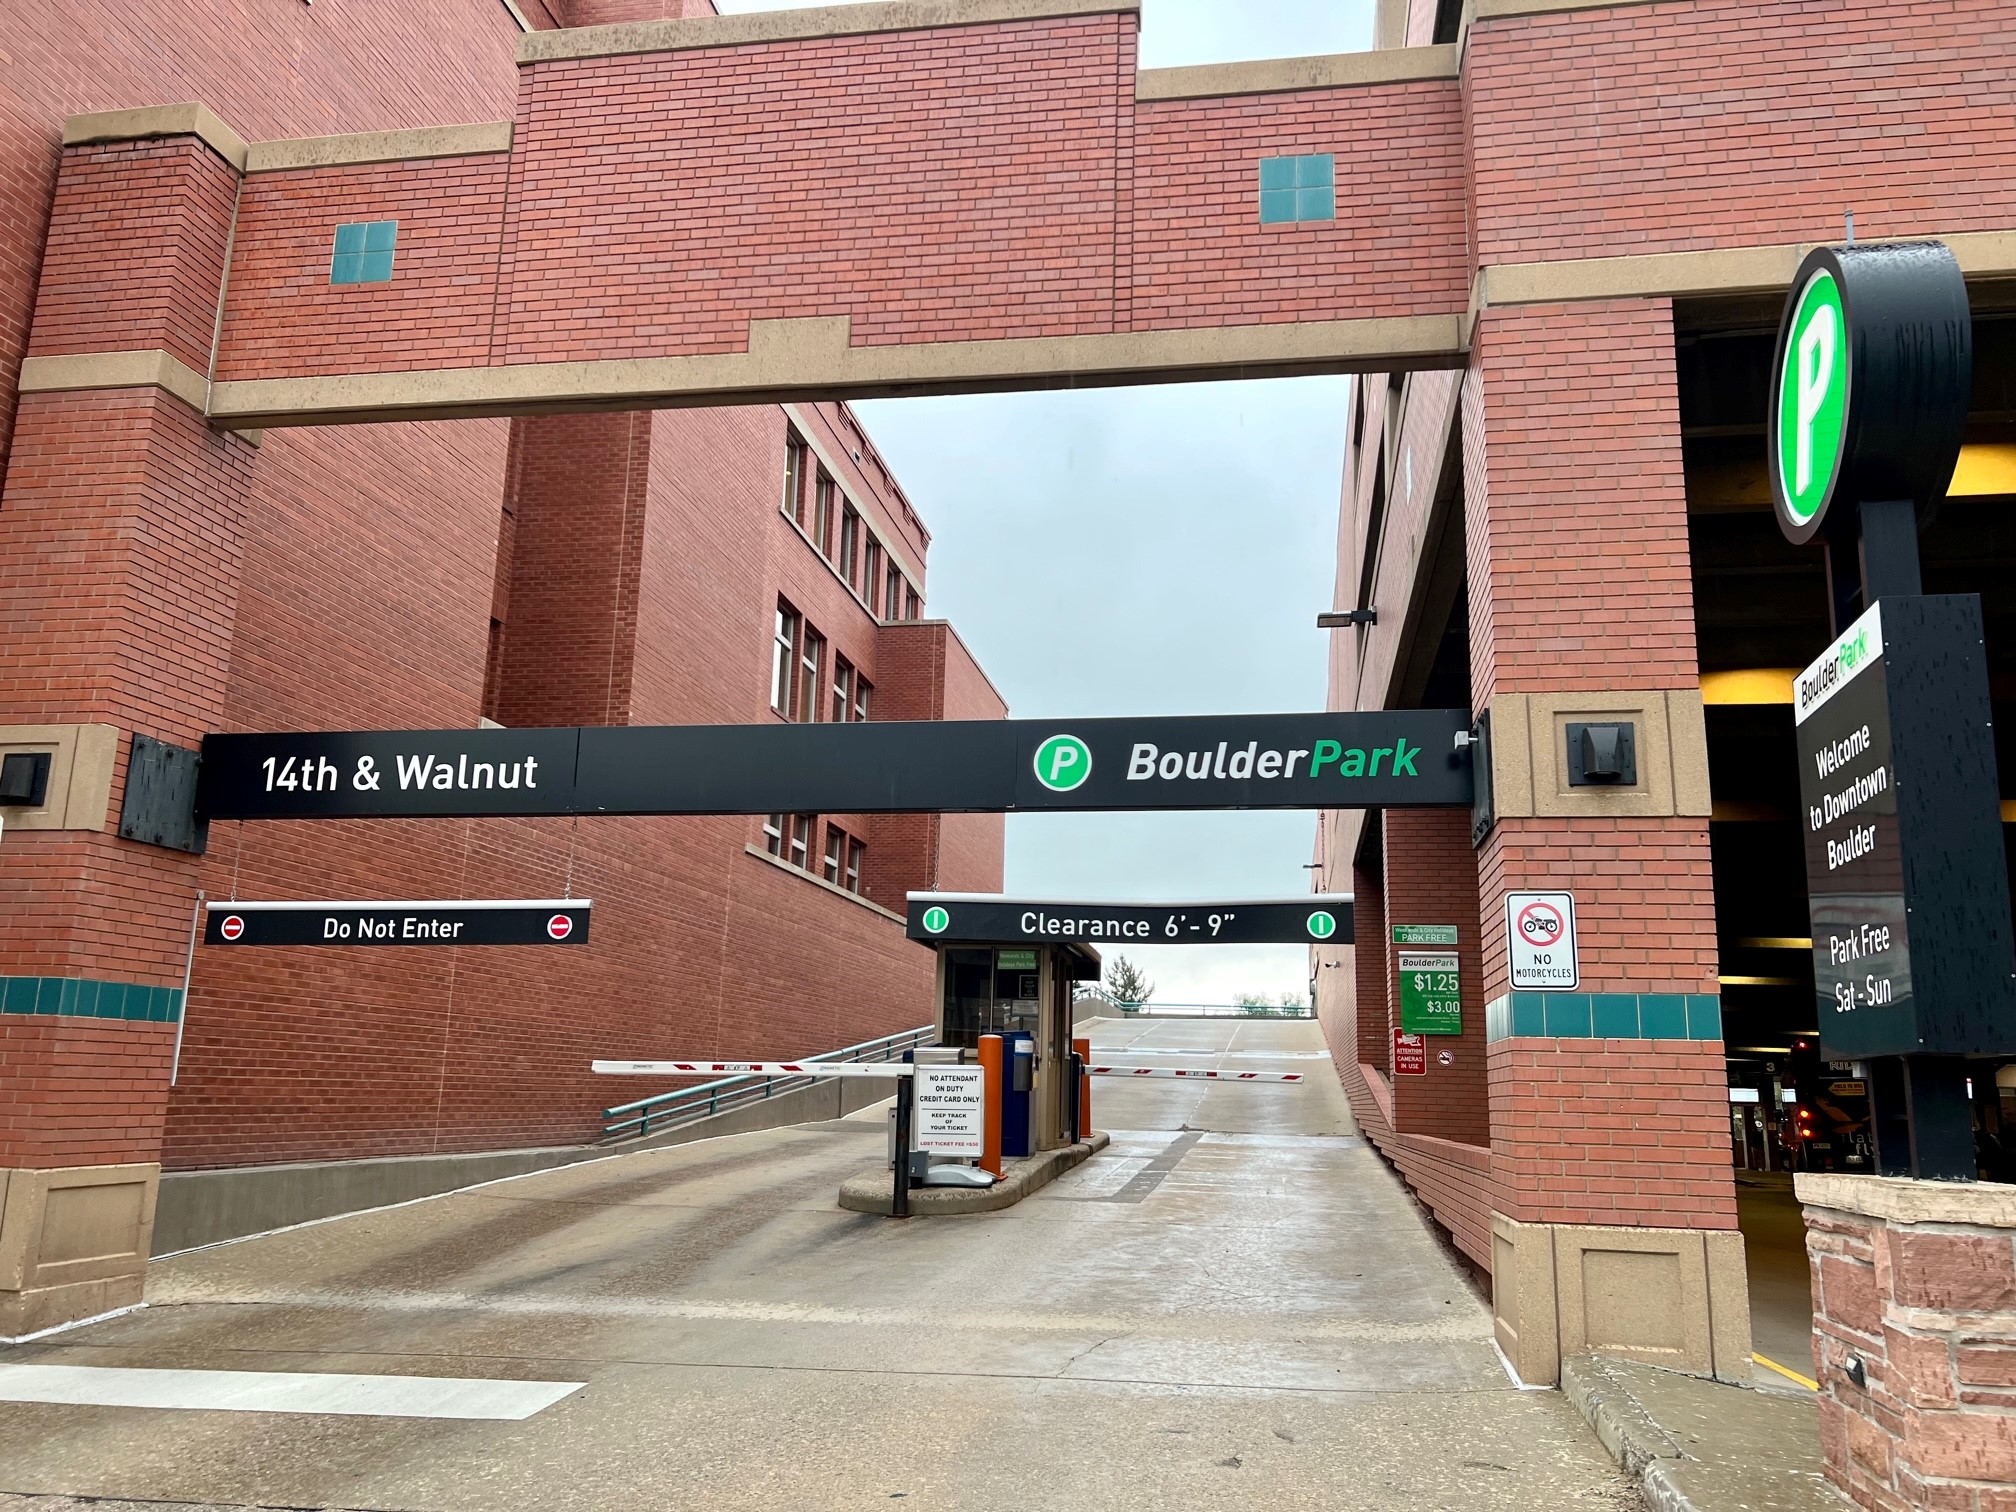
x: 1812, y: 400
x: 1063, y: 762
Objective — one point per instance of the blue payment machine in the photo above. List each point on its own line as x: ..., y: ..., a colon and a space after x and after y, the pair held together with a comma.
x: 1018, y: 1068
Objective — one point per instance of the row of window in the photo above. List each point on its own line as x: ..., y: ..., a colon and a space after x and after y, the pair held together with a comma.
x: 815, y: 502
x: 798, y: 686
x: 789, y: 838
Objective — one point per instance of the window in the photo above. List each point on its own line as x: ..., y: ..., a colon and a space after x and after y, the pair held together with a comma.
x: 913, y: 606
x: 850, y: 542
x: 855, y: 851
x: 363, y: 252
x: 783, y: 657
x: 843, y: 689
x: 892, y: 601
x: 811, y: 655
x: 836, y: 854
x: 794, y: 476
x: 801, y: 840
x: 862, y: 688
x: 1298, y: 189
x: 871, y: 579
x: 773, y: 834
x: 822, y: 514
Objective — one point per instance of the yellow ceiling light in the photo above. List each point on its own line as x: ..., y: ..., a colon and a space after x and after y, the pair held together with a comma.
x: 1983, y: 470
x: 1749, y: 685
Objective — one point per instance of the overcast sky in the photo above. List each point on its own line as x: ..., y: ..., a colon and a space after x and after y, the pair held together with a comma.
x: 1147, y: 551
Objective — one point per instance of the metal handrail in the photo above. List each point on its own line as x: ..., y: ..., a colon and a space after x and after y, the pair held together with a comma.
x: 671, y: 1110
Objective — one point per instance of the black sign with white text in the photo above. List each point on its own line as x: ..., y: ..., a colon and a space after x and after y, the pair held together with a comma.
x: 1906, y: 881
x: 1403, y: 758
x: 1321, y: 918
x: 513, y: 922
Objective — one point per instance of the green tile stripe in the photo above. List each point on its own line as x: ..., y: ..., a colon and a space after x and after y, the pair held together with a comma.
x: 88, y: 997
x: 1604, y: 1015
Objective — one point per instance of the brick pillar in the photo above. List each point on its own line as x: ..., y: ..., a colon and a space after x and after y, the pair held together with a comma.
x: 121, y: 527
x: 1914, y: 1338
x: 1368, y: 965
x: 1431, y: 879
x: 567, y: 645
x: 1614, y: 1213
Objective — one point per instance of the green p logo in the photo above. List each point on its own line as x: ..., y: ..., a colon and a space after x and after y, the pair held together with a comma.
x: 1063, y: 762
x: 1322, y: 925
x: 1812, y: 399
x: 936, y: 920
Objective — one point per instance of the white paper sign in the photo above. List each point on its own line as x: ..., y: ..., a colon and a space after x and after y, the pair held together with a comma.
x: 951, y: 1110
x: 1540, y: 938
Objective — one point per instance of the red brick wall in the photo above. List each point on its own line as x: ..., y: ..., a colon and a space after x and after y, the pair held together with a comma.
x: 1397, y: 246
x: 437, y: 311
x: 1704, y: 123
x: 1431, y: 878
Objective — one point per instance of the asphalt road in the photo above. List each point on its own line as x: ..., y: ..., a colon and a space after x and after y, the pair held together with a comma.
x: 1235, y: 1306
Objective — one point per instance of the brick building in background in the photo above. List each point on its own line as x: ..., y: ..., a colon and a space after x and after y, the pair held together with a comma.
x: 568, y: 569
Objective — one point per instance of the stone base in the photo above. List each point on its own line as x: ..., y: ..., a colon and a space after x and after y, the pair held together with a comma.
x: 1914, y: 1320
x: 1672, y: 1297
x: 73, y: 1243
x: 873, y: 1191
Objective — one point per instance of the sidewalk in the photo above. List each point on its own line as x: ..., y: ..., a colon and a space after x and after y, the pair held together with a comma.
x: 1702, y: 1446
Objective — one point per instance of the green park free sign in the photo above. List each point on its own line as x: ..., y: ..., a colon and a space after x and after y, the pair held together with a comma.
x: 1812, y: 399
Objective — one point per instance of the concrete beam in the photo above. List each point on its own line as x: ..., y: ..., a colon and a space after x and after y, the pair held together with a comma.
x: 380, y: 147
x: 189, y: 118
x: 1282, y: 75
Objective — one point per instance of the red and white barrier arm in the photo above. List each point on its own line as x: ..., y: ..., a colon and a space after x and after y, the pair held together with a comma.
x: 1244, y: 1076
x: 884, y: 1069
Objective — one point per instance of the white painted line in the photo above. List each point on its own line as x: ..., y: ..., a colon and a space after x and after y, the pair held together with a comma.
x: 104, y: 1317
x: 272, y: 1391
x: 1511, y: 1374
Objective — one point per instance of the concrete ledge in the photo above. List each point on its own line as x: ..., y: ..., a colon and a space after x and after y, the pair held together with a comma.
x: 148, y: 368
x: 1500, y: 10
x: 1398, y: 65
x: 797, y: 26
x: 870, y: 1192
x: 1899, y: 1199
x: 1691, y: 1443
x: 190, y: 118
x: 813, y: 358
x: 208, y: 1207
x: 380, y: 147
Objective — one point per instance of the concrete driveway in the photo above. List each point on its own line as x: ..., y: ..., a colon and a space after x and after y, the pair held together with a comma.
x: 1236, y: 1306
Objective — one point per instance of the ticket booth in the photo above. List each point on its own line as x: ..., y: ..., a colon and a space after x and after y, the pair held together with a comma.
x: 987, y: 987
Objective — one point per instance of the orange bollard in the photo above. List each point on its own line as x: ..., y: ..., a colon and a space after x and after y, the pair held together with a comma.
x: 990, y: 1122
x: 1082, y: 1048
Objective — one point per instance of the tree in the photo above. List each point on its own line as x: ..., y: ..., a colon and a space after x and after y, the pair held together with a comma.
x: 1127, y: 984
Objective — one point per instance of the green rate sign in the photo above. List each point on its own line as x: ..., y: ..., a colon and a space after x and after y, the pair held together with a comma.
x: 1431, y: 994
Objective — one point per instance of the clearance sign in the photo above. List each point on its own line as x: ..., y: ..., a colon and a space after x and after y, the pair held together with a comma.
x: 1404, y: 758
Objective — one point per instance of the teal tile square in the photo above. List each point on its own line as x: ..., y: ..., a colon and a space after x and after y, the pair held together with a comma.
x: 380, y: 236
x: 1568, y: 1015
x: 375, y: 267
x: 344, y: 267
x: 1704, y: 1016
x: 17, y: 994
x: 111, y: 1000
x: 79, y: 999
x: 1316, y: 204
x: 1662, y: 1015
x: 1529, y: 1014
x: 1277, y: 173
x: 1614, y: 1015
x: 171, y: 1005
x: 1277, y: 206
x: 48, y: 995
x: 1316, y: 170
x: 350, y: 237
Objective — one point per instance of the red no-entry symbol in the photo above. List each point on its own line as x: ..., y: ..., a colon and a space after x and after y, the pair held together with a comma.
x: 232, y: 927
x: 1540, y: 923
x: 559, y: 926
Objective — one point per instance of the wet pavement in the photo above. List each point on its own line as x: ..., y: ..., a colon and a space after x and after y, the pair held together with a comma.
x: 1236, y: 1305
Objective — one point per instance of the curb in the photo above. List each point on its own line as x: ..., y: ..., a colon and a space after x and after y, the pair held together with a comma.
x: 1641, y: 1448
x: 869, y: 1192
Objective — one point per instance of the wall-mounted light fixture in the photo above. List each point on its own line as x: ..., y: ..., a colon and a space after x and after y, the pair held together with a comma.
x: 1343, y: 619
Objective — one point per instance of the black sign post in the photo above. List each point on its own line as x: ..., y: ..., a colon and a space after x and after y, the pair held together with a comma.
x: 1315, y: 919
x: 1404, y: 758
x: 1906, y: 881
x: 561, y: 921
